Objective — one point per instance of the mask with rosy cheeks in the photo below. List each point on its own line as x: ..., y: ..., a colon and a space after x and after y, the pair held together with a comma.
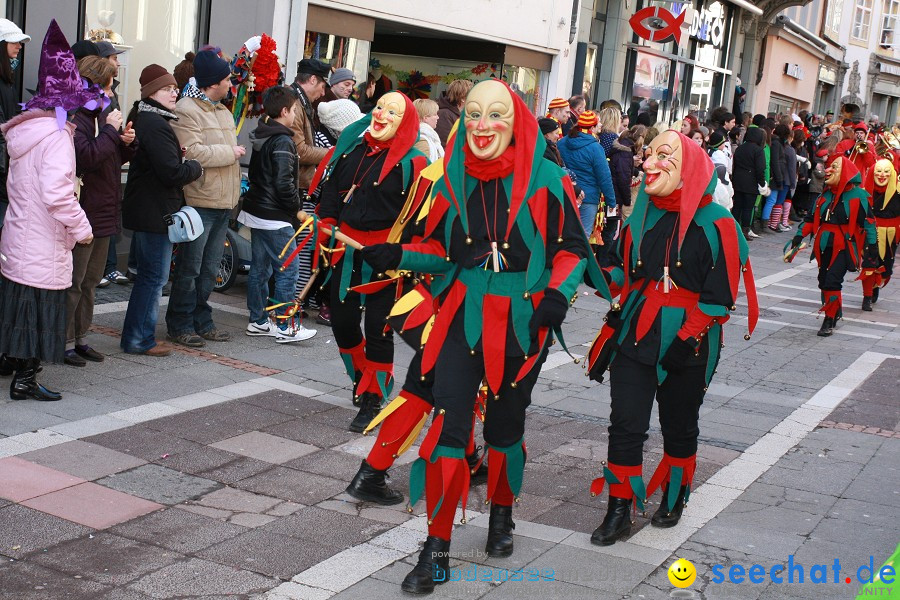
x: 882, y: 173
x: 663, y: 167
x: 833, y: 173
x: 489, y: 119
x: 386, y: 116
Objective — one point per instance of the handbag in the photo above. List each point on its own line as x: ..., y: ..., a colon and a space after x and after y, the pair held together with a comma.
x: 185, y: 225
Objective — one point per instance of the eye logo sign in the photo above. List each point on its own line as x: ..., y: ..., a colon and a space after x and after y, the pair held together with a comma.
x: 682, y: 573
x: 657, y: 34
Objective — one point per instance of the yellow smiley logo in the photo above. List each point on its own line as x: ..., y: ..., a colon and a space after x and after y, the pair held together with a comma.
x: 682, y: 573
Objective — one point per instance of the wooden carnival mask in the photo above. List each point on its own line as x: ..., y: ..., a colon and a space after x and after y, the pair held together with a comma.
x: 489, y: 120
x: 663, y: 166
x: 833, y: 172
x: 387, y: 115
x: 882, y: 172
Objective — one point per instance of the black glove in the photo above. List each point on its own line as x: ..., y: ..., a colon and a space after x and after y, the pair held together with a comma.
x: 383, y: 257
x: 677, y: 354
x: 798, y: 239
x: 870, y: 257
x: 549, y: 313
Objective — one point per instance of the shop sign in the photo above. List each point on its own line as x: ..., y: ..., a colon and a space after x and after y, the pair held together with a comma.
x: 827, y: 74
x: 708, y: 24
x: 661, y: 26
x: 793, y: 70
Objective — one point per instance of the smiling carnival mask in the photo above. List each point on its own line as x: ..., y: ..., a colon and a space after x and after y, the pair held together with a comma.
x: 882, y: 172
x: 386, y: 116
x: 833, y: 172
x: 663, y: 167
x: 489, y: 120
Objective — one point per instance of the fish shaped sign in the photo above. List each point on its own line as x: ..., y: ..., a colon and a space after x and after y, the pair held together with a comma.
x: 671, y: 29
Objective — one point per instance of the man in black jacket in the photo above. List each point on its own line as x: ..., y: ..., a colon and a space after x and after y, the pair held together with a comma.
x: 270, y: 205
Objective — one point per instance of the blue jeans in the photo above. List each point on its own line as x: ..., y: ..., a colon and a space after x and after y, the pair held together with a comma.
x: 265, y: 246
x: 588, y: 214
x: 776, y: 198
x: 153, y: 254
x: 195, y: 275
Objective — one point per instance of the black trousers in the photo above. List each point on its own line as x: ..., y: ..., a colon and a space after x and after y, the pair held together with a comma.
x: 633, y: 388
x: 742, y: 208
x: 457, y: 377
x: 832, y: 277
x: 346, y: 315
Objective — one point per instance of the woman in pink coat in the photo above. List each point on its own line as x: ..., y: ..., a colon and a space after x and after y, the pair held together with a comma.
x: 44, y: 220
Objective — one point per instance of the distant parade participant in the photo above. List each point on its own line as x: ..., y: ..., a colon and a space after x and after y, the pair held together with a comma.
x: 504, y: 238
x: 881, y: 183
x: 843, y: 232
x: 367, y: 177
x: 679, y: 261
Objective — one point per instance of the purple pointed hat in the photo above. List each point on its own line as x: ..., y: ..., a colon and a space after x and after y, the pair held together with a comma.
x: 60, y: 86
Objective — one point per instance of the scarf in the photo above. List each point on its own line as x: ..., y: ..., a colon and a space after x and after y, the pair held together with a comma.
x: 486, y: 170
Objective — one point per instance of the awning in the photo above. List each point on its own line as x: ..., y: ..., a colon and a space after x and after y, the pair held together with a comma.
x: 341, y: 23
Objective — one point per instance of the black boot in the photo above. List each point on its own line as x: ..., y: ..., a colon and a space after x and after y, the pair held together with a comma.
x: 477, y: 476
x: 827, y: 327
x: 8, y: 366
x: 875, y: 295
x: 434, y: 562
x: 368, y: 485
x: 867, y: 303
x: 500, y: 538
x: 24, y: 386
x: 369, y: 406
x: 616, y: 524
x: 669, y: 518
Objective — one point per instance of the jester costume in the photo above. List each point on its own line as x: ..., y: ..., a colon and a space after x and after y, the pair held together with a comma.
x: 505, y: 243
x: 881, y: 183
x: 679, y: 262
x: 367, y: 178
x: 843, y: 232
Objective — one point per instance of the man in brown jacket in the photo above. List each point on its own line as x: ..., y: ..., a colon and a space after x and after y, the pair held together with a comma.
x: 309, y: 85
x: 205, y: 129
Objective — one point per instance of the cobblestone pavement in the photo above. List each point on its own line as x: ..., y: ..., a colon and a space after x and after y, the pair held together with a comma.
x: 219, y: 473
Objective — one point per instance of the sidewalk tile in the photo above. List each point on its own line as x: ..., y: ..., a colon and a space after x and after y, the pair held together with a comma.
x: 251, y: 520
x: 26, y: 530
x: 238, y: 501
x: 83, y: 459
x: 160, y: 484
x: 92, y: 505
x: 265, y: 447
x: 288, y: 484
x: 312, y: 432
x: 289, y: 402
x: 515, y: 590
x: 90, y: 426
x: 143, y: 442
x: 28, y: 581
x: 21, y: 479
x: 292, y: 591
x: 343, y: 530
x: 270, y: 553
x: 201, y: 578
x: 178, y: 530
x: 348, y: 567
x: 611, y: 575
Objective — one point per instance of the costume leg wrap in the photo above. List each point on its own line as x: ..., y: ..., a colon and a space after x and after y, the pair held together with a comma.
x: 676, y: 472
x: 377, y: 378
x: 624, y: 482
x: 444, y: 477
x: 506, y: 467
x: 401, y: 421
x: 832, y: 304
x: 870, y: 282
x: 355, y: 362
x: 785, y: 214
x: 775, y: 217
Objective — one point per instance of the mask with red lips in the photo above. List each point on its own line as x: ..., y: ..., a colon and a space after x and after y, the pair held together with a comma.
x: 489, y: 120
x: 386, y: 116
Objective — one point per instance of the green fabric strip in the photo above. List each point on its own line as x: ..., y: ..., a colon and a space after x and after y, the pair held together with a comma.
x: 346, y: 273
x: 671, y: 320
x: 713, y: 310
x: 366, y: 273
x: 416, y: 481
x: 521, y: 310
x: 639, y: 489
x: 421, y: 262
x: 675, y: 478
x: 570, y: 284
x: 713, y: 336
x: 609, y: 476
x: 504, y: 283
x: 348, y: 364
x: 447, y: 452
x: 472, y: 315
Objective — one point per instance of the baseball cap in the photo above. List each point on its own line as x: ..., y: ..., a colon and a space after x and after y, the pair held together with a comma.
x: 106, y: 49
x: 10, y: 32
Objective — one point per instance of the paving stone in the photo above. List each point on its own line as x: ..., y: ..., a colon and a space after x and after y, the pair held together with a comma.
x: 265, y: 447
x: 21, y: 479
x: 251, y: 520
x: 264, y: 551
x: 749, y: 538
x: 235, y: 500
x: 143, y: 442
x: 548, y: 589
x: 82, y: 459
x: 284, y: 509
x: 285, y: 402
x: 29, y: 581
x: 21, y: 417
x: 329, y: 463
x: 196, y: 577
x: 312, y: 432
x: 92, y: 505
x: 288, y: 484
x: 178, y: 530
x: 213, y: 513
x: 612, y: 575
x: 122, y: 594
x: 219, y: 422
x: 26, y: 530
x: 343, y: 530
x: 106, y: 559
x: 160, y: 484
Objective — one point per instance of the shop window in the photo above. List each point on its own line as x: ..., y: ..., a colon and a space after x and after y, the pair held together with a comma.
x: 889, y: 22
x: 832, y: 21
x: 158, y: 32
x: 862, y: 18
x: 525, y: 82
x: 338, y: 51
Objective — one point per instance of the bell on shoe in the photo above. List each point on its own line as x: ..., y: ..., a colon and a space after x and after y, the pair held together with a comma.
x: 369, y: 485
x: 617, y: 523
x: 369, y: 406
x: 431, y: 569
x: 665, y: 517
x: 500, y: 538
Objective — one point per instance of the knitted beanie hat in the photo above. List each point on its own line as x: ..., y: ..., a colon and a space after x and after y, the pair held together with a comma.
x: 337, y: 114
x: 154, y: 78
x: 558, y: 103
x: 209, y: 69
x: 588, y: 119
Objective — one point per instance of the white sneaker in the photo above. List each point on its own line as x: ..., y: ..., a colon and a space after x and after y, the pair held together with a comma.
x: 297, y: 333
x: 751, y: 234
x: 784, y: 227
x: 265, y: 329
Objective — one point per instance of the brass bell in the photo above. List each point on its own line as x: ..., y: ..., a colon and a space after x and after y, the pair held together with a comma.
x: 640, y: 263
x: 447, y: 258
x: 468, y: 240
x: 471, y: 353
x: 526, y: 295
x: 505, y: 245
x: 559, y: 240
x: 513, y: 385
x: 677, y: 263
x: 747, y: 336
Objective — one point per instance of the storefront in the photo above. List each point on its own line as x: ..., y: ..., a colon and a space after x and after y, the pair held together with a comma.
x: 790, y: 71
x: 884, y: 81
x: 666, y: 80
x: 826, y: 94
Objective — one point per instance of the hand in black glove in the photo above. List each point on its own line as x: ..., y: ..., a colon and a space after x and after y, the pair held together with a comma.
x: 798, y: 239
x: 549, y: 313
x: 870, y: 257
x: 677, y: 354
x: 383, y: 257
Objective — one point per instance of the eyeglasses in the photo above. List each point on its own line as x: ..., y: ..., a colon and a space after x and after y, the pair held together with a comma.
x: 171, y: 89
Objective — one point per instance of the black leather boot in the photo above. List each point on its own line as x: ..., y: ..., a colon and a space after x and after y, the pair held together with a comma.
x: 8, y: 366
x: 369, y: 406
x: 875, y: 295
x: 616, y: 524
x: 24, y: 386
x: 827, y: 327
x: 368, y: 485
x: 480, y: 475
x: 500, y: 538
x: 431, y: 570
x: 867, y: 303
x: 669, y: 518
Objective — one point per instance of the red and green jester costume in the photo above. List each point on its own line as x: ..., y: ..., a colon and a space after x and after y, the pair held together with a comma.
x: 507, y: 250
x: 680, y: 259
x: 844, y: 235
x: 364, y: 189
x: 881, y: 183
